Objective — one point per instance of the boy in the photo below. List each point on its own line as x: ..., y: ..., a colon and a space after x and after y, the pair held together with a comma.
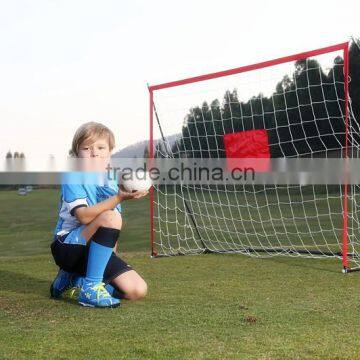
x: 87, y: 231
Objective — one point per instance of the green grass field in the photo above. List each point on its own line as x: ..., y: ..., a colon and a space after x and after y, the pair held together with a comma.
x: 198, y: 307
x: 302, y: 218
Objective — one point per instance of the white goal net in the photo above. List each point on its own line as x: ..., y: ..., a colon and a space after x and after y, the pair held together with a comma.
x: 301, y: 104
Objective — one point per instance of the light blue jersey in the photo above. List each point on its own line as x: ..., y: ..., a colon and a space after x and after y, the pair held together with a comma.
x: 75, y: 195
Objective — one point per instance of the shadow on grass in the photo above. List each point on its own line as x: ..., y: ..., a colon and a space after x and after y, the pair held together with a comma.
x: 23, y: 283
x: 308, y: 264
x: 330, y: 265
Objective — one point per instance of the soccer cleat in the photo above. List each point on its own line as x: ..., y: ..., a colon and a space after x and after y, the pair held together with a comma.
x: 62, y: 282
x: 95, y: 295
x: 71, y: 294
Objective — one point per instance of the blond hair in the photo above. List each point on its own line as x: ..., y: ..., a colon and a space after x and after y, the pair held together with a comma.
x: 91, y: 131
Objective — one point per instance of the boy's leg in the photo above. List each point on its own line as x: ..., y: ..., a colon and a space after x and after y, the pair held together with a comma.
x: 66, y: 256
x: 109, y: 218
x: 100, y: 250
x: 130, y: 285
x: 102, y: 233
x: 70, y: 255
x: 123, y: 282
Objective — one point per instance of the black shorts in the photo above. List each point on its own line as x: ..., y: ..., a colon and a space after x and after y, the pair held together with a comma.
x: 73, y: 258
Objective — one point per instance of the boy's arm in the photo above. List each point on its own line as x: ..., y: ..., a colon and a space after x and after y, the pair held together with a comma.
x: 87, y: 214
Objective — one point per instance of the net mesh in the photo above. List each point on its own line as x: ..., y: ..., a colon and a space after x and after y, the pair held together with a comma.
x: 301, y: 104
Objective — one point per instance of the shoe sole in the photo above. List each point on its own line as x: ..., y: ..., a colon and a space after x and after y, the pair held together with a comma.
x: 99, y: 307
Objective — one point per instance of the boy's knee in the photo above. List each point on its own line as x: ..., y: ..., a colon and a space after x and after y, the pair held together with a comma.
x: 111, y: 219
x: 138, y: 292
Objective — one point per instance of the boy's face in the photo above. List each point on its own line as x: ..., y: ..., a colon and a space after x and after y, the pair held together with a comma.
x: 98, y: 148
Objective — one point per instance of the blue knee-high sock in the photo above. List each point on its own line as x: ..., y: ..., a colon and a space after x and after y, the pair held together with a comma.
x: 101, y: 248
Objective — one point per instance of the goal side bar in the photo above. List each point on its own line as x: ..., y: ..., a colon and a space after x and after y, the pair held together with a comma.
x: 151, y: 157
x: 345, y: 233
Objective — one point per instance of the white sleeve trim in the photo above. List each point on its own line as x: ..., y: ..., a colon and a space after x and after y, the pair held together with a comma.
x: 75, y: 203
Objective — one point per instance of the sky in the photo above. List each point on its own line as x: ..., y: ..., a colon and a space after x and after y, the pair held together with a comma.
x: 63, y: 63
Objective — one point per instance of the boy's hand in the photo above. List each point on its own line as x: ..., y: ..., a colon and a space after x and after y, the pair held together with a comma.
x: 124, y: 195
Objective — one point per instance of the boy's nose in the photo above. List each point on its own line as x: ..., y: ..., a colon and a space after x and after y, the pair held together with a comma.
x: 94, y: 153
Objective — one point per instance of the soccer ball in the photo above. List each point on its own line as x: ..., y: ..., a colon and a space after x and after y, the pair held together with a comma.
x: 136, y: 181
